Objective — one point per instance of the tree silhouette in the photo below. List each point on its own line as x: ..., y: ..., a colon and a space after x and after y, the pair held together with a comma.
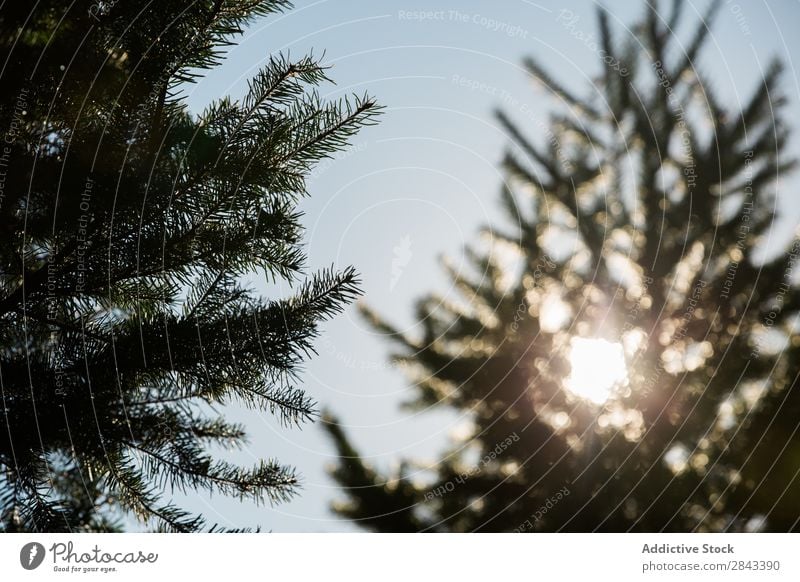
x: 631, y: 236
x: 128, y: 226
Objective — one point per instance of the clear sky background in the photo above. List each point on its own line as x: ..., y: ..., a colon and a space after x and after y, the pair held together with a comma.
x: 420, y: 184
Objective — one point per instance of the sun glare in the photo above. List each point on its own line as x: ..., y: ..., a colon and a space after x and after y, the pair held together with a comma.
x: 597, y: 367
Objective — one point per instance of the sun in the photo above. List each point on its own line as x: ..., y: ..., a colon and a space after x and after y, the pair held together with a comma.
x: 597, y: 367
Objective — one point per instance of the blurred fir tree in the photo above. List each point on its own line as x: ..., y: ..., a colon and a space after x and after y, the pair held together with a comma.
x: 634, y: 366
x: 128, y: 225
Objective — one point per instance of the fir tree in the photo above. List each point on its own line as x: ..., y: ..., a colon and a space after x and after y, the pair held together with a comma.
x: 667, y: 193
x: 128, y: 228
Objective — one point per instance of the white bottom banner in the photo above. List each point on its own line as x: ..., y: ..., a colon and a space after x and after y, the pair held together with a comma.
x: 356, y: 557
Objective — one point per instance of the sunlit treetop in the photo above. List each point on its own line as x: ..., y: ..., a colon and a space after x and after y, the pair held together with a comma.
x: 643, y: 355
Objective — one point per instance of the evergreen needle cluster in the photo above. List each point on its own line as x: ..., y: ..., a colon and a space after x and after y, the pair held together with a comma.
x: 128, y: 225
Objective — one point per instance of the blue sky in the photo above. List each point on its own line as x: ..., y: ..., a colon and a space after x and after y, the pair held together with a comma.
x: 419, y: 185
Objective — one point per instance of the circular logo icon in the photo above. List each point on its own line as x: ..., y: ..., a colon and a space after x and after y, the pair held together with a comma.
x: 31, y: 555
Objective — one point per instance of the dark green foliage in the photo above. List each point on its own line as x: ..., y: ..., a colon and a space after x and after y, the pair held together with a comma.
x: 128, y: 226
x: 668, y: 193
